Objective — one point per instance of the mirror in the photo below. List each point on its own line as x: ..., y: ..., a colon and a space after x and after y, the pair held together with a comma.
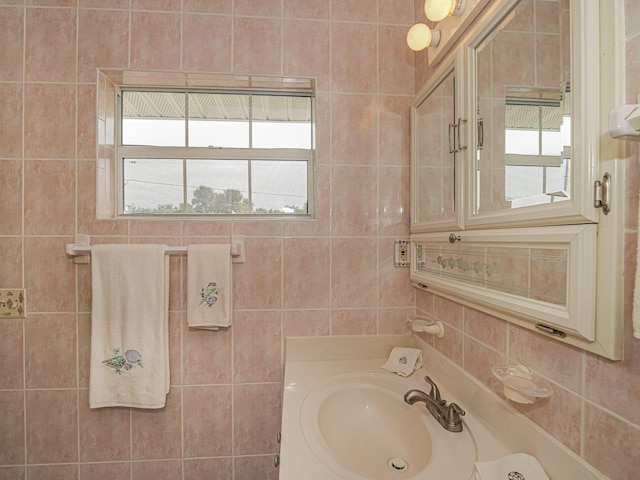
x: 434, y: 177
x: 523, y: 117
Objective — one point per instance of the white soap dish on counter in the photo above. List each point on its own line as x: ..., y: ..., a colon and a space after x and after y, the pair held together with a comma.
x: 521, y: 385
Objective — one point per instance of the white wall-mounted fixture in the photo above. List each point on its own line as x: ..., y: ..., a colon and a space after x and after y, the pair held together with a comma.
x: 437, y: 10
x: 420, y: 323
x: 624, y: 122
x: 420, y: 36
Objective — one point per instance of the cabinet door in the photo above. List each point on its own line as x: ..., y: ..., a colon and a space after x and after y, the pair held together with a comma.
x: 436, y: 197
x: 531, y: 164
x: 540, y: 277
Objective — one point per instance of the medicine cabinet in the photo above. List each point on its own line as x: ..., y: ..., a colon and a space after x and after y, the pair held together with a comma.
x: 436, y: 166
x: 517, y: 191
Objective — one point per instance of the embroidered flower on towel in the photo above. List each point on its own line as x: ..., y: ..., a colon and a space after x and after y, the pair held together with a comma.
x: 126, y: 361
x: 209, y: 295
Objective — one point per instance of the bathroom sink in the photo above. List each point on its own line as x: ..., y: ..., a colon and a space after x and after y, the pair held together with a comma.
x: 359, y: 426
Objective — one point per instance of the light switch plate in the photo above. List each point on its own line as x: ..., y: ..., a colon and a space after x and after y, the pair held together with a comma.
x: 13, y: 303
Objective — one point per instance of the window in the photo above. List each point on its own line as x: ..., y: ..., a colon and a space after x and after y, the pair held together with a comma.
x: 194, y: 151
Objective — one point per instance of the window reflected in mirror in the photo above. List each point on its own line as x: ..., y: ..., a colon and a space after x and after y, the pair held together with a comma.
x: 537, y: 147
x: 523, y: 116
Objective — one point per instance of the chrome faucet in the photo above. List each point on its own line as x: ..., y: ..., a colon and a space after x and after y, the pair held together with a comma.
x: 447, y: 415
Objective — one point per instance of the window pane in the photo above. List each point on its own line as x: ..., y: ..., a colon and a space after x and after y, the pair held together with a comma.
x: 218, y: 186
x: 557, y: 180
x: 218, y: 133
x: 522, y: 142
x: 281, y: 121
x: 153, y: 132
x: 522, y: 182
x: 218, y: 120
x: 153, y: 118
x: 281, y: 135
x: 279, y: 187
x: 152, y: 185
x: 552, y: 144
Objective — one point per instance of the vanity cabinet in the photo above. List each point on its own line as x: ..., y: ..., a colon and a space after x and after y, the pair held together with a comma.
x: 516, y: 191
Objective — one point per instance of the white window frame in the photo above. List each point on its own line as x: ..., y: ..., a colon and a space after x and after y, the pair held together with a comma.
x: 185, y: 154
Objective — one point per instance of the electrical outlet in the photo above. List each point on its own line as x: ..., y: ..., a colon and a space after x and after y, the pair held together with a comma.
x: 401, y: 253
x: 13, y: 303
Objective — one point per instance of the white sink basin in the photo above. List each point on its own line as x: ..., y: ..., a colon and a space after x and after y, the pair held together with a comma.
x: 359, y: 426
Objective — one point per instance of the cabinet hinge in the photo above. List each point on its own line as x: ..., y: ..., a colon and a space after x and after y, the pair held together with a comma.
x: 602, y: 193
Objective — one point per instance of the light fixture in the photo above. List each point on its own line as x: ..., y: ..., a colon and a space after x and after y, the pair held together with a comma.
x: 421, y: 36
x: 437, y: 10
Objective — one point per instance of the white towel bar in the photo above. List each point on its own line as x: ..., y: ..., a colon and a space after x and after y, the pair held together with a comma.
x: 81, y: 249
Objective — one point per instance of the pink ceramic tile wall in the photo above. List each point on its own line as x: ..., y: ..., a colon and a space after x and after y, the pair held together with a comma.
x: 49, y: 50
x: 300, y: 277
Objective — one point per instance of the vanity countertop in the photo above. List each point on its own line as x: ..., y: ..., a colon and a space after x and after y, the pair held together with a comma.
x: 497, y: 427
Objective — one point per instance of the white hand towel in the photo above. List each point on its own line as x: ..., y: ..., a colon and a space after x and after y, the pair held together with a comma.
x: 403, y: 360
x: 209, y: 286
x: 518, y: 466
x: 129, y: 365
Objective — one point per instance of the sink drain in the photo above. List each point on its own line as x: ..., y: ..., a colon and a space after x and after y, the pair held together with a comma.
x: 397, y: 464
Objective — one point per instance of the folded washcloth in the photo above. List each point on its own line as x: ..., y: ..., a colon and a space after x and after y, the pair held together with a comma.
x: 129, y: 364
x: 209, y: 282
x: 518, y: 466
x: 403, y: 360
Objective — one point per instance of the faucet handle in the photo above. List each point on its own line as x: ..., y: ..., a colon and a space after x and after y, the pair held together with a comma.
x: 434, y: 392
x: 452, y: 416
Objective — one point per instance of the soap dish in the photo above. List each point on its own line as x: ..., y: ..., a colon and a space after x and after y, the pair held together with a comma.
x: 520, y: 384
x: 420, y: 323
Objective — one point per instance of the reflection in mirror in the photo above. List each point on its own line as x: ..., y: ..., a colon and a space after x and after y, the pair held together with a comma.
x: 523, y: 154
x: 537, y: 147
x: 435, y: 164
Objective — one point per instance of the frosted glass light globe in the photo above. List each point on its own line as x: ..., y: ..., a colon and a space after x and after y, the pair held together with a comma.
x: 437, y: 10
x: 419, y: 37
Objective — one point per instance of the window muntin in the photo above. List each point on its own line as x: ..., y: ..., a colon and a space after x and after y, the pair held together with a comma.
x: 205, y: 152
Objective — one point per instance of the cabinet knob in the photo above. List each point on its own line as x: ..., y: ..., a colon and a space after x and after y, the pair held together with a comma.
x: 453, y: 238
